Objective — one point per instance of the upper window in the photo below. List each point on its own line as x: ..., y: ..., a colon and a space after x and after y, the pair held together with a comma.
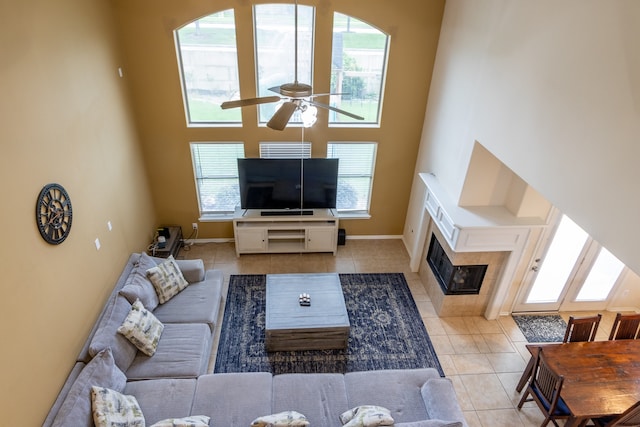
x: 208, y: 60
x: 215, y: 167
x: 355, y: 174
x: 275, y: 50
x: 358, y: 62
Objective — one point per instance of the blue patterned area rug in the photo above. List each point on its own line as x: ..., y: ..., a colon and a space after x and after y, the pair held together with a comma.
x: 386, y: 330
x: 541, y: 328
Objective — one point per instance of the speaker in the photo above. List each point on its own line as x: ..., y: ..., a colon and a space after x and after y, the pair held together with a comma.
x: 342, y: 236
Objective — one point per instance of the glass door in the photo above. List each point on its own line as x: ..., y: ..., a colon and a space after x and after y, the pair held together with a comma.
x: 571, y: 272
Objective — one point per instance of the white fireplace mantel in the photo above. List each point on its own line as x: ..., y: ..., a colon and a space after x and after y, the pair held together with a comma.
x: 478, y: 228
x: 475, y: 229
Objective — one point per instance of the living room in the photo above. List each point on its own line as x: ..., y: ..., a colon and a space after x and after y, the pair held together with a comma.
x: 550, y: 90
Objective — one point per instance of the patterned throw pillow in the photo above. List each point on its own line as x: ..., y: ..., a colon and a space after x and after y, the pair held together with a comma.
x: 366, y: 416
x: 192, y: 421
x: 281, y: 419
x: 167, y: 279
x: 111, y: 408
x: 142, y: 328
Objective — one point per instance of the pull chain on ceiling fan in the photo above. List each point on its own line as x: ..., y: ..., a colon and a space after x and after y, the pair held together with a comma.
x: 296, y: 95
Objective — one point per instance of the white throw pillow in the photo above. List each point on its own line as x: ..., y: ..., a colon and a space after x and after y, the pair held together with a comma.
x: 111, y: 408
x: 167, y: 279
x: 192, y: 421
x: 366, y: 416
x: 142, y: 328
x: 281, y: 419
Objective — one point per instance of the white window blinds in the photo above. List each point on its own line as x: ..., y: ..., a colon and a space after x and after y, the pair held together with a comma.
x: 355, y: 174
x: 285, y: 150
x: 215, y: 169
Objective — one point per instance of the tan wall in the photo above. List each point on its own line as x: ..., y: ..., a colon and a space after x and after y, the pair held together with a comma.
x: 65, y: 118
x: 147, y: 35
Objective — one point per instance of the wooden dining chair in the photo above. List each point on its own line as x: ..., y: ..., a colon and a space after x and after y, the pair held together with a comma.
x: 578, y: 329
x: 630, y: 418
x: 545, y: 388
x: 625, y: 327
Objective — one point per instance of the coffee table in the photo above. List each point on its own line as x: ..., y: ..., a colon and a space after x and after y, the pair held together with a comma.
x: 291, y: 327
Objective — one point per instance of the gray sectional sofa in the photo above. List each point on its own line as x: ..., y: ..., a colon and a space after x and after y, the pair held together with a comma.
x: 174, y: 382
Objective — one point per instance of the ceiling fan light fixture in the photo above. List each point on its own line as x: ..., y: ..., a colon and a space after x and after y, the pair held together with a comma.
x: 309, y: 115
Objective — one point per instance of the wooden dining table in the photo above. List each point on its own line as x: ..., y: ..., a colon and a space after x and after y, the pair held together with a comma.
x: 601, y: 378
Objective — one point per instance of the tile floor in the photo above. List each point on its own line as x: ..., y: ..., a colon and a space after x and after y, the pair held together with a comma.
x: 483, y: 358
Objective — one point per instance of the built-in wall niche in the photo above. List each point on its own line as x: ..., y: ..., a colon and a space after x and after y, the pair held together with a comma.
x: 454, y: 279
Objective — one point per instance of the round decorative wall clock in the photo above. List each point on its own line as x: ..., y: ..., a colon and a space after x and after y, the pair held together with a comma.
x: 53, y: 213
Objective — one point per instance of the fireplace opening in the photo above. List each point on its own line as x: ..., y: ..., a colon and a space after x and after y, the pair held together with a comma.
x: 454, y: 279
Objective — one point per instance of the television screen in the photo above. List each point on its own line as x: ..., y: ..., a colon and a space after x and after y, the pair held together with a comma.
x: 288, y: 183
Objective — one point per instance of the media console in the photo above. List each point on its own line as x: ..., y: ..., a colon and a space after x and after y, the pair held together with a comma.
x: 286, y: 233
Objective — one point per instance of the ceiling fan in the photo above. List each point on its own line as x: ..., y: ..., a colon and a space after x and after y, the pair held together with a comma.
x: 296, y: 96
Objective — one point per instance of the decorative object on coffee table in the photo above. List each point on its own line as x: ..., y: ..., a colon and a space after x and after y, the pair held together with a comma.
x: 304, y: 300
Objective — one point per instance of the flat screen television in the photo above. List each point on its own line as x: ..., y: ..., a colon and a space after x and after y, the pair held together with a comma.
x: 288, y: 183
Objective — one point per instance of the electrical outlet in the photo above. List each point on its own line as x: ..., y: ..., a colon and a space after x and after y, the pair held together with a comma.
x: 194, y: 225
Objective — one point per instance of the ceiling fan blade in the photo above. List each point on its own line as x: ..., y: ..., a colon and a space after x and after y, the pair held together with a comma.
x: 327, y: 94
x: 337, y: 110
x: 282, y: 115
x: 249, y: 101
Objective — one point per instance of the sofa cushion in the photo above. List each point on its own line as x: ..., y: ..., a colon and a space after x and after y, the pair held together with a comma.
x: 192, y: 421
x: 440, y: 399
x: 163, y: 398
x: 142, y: 329
x: 107, y: 335
x: 111, y: 408
x: 281, y: 419
x: 320, y: 397
x: 217, y: 395
x: 167, y: 279
x: 192, y: 269
x: 183, y: 352
x: 199, y: 303
x: 138, y: 285
x: 75, y: 409
x: 366, y: 416
x: 395, y: 389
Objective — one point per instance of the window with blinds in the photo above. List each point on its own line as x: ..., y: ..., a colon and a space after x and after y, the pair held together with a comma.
x: 285, y: 150
x: 215, y: 168
x: 355, y: 174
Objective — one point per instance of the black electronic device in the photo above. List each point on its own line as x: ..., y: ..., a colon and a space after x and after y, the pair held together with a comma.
x: 288, y: 183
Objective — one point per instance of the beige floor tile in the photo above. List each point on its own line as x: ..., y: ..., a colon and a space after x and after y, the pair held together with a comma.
x: 509, y: 382
x: 472, y: 363
x: 471, y: 417
x: 464, y: 344
x: 462, y: 394
x: 486, y: 392
x: 442, y: 345
x: 507, y: 362
x: 500, y: 418
x: 499, y: 343
x: 434, y: 326
x: 455, y: 326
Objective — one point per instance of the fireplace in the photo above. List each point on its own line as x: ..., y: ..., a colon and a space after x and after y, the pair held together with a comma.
x: 454, y: 279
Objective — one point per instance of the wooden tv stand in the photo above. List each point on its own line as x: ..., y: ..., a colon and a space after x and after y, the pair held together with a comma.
x: 255, y: 233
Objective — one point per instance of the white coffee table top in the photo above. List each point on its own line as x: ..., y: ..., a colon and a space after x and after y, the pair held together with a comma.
x: 327, y: 309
